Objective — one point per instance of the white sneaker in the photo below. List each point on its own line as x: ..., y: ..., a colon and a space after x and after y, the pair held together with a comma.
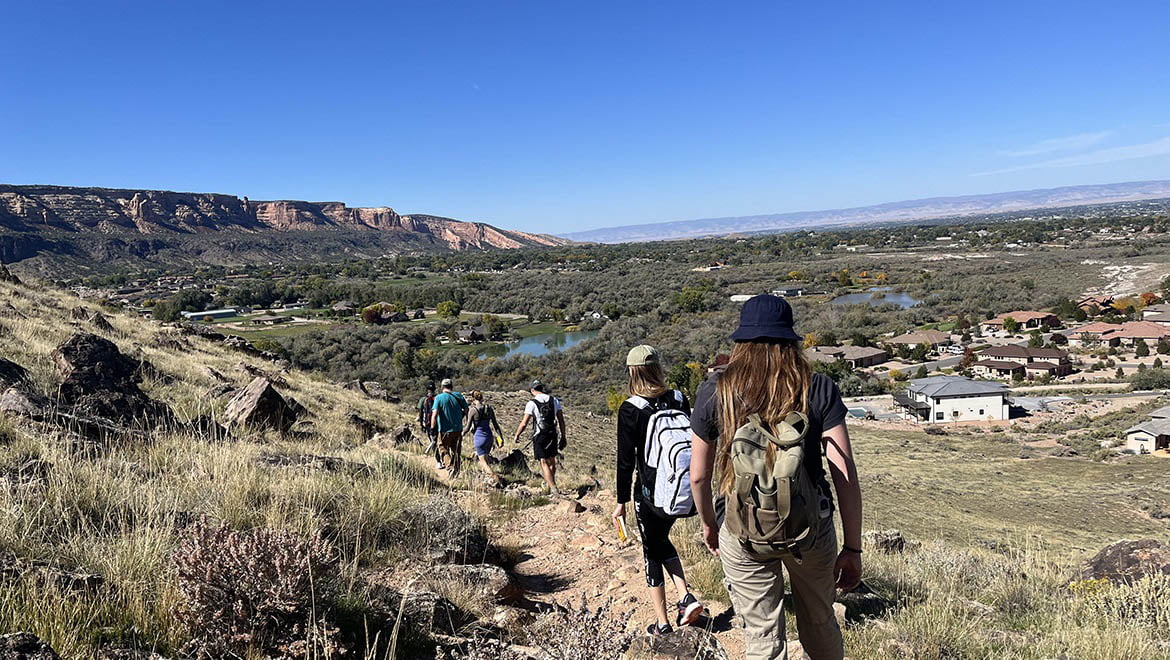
x: 438, y: 465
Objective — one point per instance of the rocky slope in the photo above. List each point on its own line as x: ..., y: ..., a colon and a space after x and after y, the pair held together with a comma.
x: 97, y: 224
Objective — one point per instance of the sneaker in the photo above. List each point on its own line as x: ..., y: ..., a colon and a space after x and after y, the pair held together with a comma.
x: 689, y: 610
x: 439, y: 465
x: 659, y: 629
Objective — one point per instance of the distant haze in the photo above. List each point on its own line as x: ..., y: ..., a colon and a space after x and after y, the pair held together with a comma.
x: 907, y: 211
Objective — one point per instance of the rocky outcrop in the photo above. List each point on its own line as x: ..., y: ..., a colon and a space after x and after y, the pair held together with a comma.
x: 487, y: 580
x: 260, y: 406
x: 25, y: 646
x: 1126, y: 561
x: 691, y: 643
x: 7, y: 276
x: 160, y: 212
x: 98, y: 380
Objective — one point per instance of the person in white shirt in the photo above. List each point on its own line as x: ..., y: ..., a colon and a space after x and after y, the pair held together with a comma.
x: 545, y: 413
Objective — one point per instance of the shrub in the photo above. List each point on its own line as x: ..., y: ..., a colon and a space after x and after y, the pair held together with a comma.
x: 258, y: 590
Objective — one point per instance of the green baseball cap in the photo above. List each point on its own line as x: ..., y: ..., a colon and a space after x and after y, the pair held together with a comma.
x: 640, y: 356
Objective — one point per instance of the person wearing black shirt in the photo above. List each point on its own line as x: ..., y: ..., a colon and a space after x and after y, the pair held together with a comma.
x: 648, y: 394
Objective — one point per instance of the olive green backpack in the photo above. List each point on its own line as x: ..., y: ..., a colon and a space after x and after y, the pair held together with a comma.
x: 772, y: 509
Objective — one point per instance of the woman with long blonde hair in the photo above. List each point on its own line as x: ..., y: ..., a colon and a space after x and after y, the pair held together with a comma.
x: 649, y: 395
x: 768, y: 384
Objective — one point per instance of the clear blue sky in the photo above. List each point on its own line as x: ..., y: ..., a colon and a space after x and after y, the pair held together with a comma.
x: 561, y: 116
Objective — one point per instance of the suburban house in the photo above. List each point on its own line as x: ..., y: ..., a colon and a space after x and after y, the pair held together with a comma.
x: 1095, y: 302
x: 1151, y: 435
x: 344, y: 307
x: 1131, y: 331
x: 1161, y: 318
x: 270, y: 319
x: 225, y: 313
x: 1004, y: 369
x: 790, y: 292
x: 1161, y: 309
x: 856, y: 356
x: 1089, y: 334
x: 927, y: 337
x: 953, y: 399
x: 1028, y: 321
x: 469, y: 336
x: 1035, y: 362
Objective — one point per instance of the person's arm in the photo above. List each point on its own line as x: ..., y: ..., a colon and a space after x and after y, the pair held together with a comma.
x: 496, y: 423
x: 627, y: 428
x: 839, y: 451
x: 435, y: 415
x: 702, y: 466
x: 523, y: 425
x: 471, y: 419
x: 561, y: 421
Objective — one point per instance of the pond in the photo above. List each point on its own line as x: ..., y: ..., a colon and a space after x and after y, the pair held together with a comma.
x: 538, y: 345
x: 877, y: 295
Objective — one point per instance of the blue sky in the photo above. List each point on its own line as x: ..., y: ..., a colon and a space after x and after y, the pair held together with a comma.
x: 563, y: 116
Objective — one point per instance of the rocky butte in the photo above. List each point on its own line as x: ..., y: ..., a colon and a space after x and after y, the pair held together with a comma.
x: 95, y: 224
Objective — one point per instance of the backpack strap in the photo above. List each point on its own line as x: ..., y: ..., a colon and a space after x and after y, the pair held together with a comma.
x: 639, y: 402
x: 678, y: 396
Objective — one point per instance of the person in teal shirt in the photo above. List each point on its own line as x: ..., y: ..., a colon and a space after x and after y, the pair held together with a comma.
x: 450, y: 407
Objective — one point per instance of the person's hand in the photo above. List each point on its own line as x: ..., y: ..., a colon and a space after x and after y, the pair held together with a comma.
x: 848, y: 570
x: 619, y: 512
x: 711, y: 538
x: 564, y: 443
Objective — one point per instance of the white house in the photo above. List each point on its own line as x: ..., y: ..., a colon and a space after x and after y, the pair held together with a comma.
x: 1149, y: 436
x: 941, y: 399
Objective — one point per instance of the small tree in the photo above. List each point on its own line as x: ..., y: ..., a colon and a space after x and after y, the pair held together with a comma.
x: 1035, y: 339
x: 1157, y: 363
x: 1140, y: 349
x: 922, y: 372
x: 1163, y: 346
x: 448, y: 309
x: 1011, y: 326
x: 1120, y: 373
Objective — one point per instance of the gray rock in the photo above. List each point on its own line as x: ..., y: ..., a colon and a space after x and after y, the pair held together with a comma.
x: 487, y: 580
x: 863, y: 603
x: 7, y: 276
x: 690, y: 643
x: 314, y: 462
x: 1126, y: 561
x: 15, y: 401
x: 25, y: 646
x: 260, y: 406
x: 889, y: 541
x: 12, y: 374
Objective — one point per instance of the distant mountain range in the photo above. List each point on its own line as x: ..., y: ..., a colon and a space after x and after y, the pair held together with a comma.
x: 892, y: 212
x: 64, y: 227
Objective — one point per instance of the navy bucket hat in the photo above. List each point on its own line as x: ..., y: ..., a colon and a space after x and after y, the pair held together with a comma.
x: 765, y: 317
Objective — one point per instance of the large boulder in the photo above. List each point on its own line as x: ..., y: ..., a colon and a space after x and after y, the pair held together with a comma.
x: 25, y: 646
x: 12, y: 374
x: 15, y: 401
x: 690, y: 643
x: 861, y: 603
x: 98, y: 380
x: 7, y: 276
x: 1126, y: 561
x: 259, y: 405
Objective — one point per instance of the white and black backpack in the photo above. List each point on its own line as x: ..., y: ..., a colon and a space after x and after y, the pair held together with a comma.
x: 667, y: 454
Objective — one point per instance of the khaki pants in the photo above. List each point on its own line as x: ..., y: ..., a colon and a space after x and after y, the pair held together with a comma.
x: 756, y: 586
x: 450, y: 450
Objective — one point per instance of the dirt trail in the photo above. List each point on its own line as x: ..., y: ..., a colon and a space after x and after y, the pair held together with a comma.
x: 565, y: 555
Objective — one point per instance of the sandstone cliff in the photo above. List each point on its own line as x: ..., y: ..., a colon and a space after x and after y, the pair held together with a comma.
x: 35, y: 209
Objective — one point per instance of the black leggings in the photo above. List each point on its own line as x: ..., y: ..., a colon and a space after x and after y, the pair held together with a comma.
x: 656, y: 546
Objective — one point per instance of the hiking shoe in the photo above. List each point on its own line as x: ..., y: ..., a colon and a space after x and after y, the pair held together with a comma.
x: 439, y: 465
x: 689, y: 610
x: 659, y: 629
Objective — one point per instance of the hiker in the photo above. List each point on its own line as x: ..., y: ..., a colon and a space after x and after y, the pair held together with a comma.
x: 544, y: 411
x: 760, y: 429
x: 426, y: 408
x: 480, y: 419
x: 650, y: 424
x: 450, y: 407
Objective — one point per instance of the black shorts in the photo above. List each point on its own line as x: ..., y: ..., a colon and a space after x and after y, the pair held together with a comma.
x: 544, y: 446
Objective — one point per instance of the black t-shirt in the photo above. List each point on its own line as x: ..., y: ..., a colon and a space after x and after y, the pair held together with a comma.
x: 825, y: 411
